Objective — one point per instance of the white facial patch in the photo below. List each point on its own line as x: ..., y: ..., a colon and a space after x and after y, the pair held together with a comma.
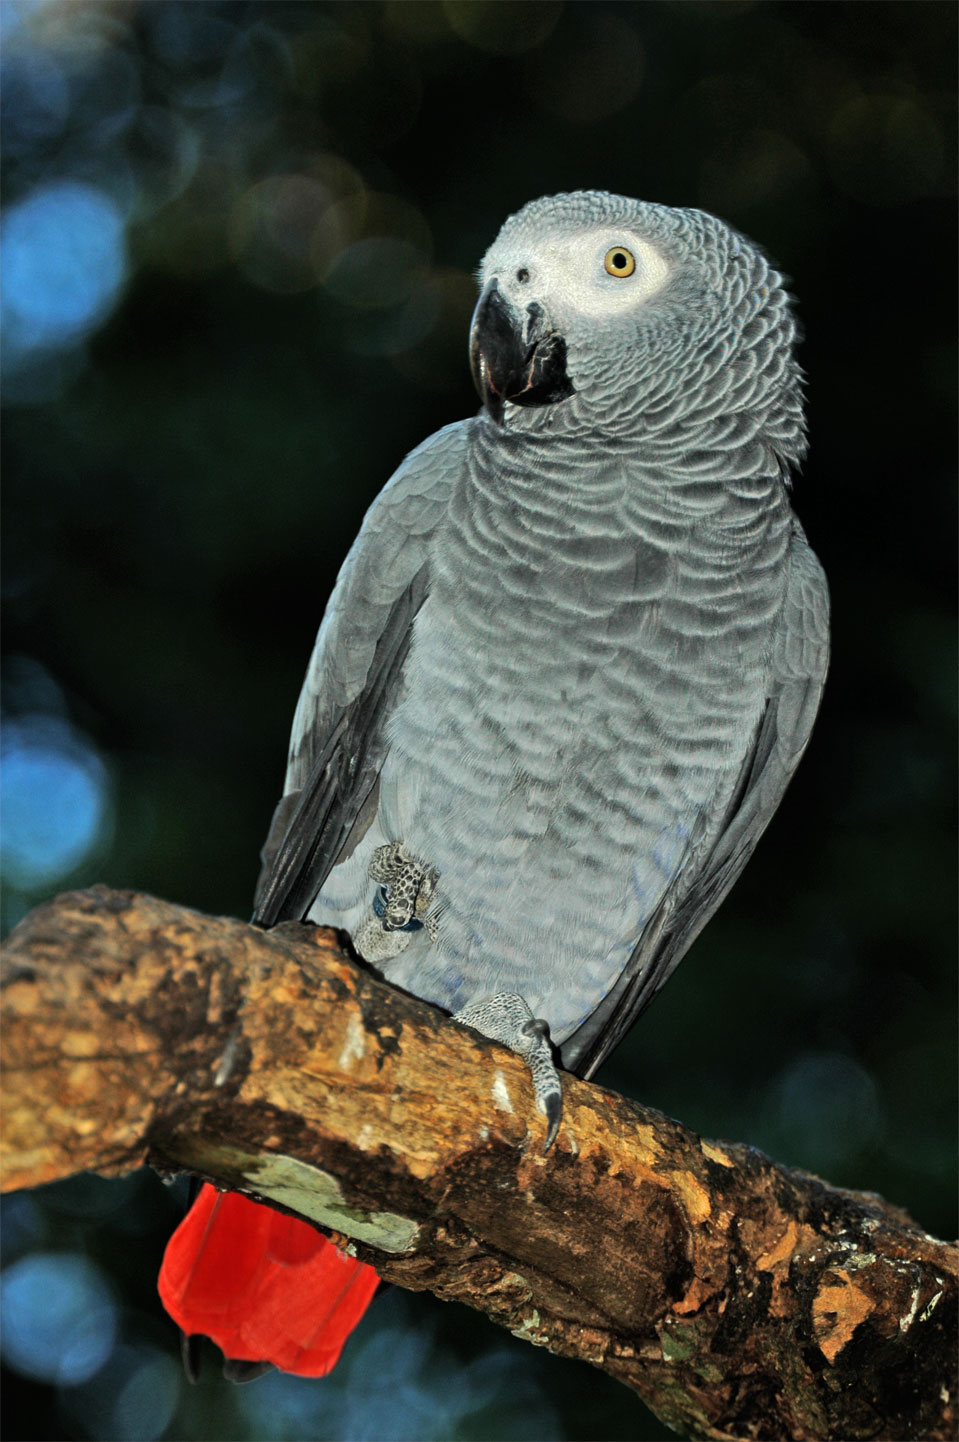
x: 570, y: 272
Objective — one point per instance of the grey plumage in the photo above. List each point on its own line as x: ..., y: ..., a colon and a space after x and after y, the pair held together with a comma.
x: 576, y: 651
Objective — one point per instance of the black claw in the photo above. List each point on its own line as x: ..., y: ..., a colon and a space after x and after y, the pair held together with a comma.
x: 235, y: 1371
x: 554, y: 1115
x: 190, y: 1353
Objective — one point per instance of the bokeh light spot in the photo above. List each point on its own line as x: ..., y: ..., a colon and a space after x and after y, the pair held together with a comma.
x: 272, y: 228
x: 885, y: 149
x: 593, y: 80
x: 55, y: 798
x: 502, y: 29
x: 439, y: 362
x: 375, y: 272
x: 147, y: 1401
x: 64, y: 262
x: 758, y: 170
x: 22, y: 1226
x: 190, y: 34
x: 824, y: 1110
x: 59, y: 1317
x: 16, y: 15
x: 34, y: 99
x: 166, y: 152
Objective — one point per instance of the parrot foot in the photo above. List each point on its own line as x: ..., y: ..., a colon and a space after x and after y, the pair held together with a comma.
x: 405, y: 894
x: 406, y: 889
x: 506, y: 1018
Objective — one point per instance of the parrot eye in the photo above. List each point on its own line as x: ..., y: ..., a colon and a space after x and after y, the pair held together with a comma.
x: 619, y: 261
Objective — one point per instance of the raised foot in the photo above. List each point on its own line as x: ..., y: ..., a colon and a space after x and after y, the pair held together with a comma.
x: 400, y: 907
x: 506, y: 1018
x: 407, y: 887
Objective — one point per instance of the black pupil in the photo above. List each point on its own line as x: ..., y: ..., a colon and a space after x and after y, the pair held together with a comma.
x: 619, y: 260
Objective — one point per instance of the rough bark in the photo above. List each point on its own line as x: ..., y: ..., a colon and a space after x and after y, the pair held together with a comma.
x: 740, y: 1299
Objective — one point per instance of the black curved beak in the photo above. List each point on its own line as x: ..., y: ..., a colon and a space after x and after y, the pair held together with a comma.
x: 515, y: 356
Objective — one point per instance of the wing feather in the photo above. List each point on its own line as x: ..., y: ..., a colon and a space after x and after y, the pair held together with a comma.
x: 339, y: 739
x: 799, y: 663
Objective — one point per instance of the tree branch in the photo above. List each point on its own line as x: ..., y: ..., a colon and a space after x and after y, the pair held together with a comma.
x: 740, y: 1299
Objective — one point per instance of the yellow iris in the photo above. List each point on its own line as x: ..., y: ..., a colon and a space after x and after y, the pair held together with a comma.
x: 620, y: 261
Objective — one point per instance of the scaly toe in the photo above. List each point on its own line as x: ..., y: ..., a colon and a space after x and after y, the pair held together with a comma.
x: 506, y: 1018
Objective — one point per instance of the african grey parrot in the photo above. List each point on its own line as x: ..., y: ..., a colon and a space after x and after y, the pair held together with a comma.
x: 576, y: 651
x: 566, y: 673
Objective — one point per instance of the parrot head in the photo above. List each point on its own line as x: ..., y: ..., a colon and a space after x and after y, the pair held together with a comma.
x: 595, y: 308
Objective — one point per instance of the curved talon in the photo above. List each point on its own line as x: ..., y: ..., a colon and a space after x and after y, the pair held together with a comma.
x: 553, y: 1108
x: 507, y: 1018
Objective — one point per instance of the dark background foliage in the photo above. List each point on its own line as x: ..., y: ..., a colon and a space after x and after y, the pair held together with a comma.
x: 238, y: 251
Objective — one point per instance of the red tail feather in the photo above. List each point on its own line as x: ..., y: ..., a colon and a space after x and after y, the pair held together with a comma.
x: 265, y: 1287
